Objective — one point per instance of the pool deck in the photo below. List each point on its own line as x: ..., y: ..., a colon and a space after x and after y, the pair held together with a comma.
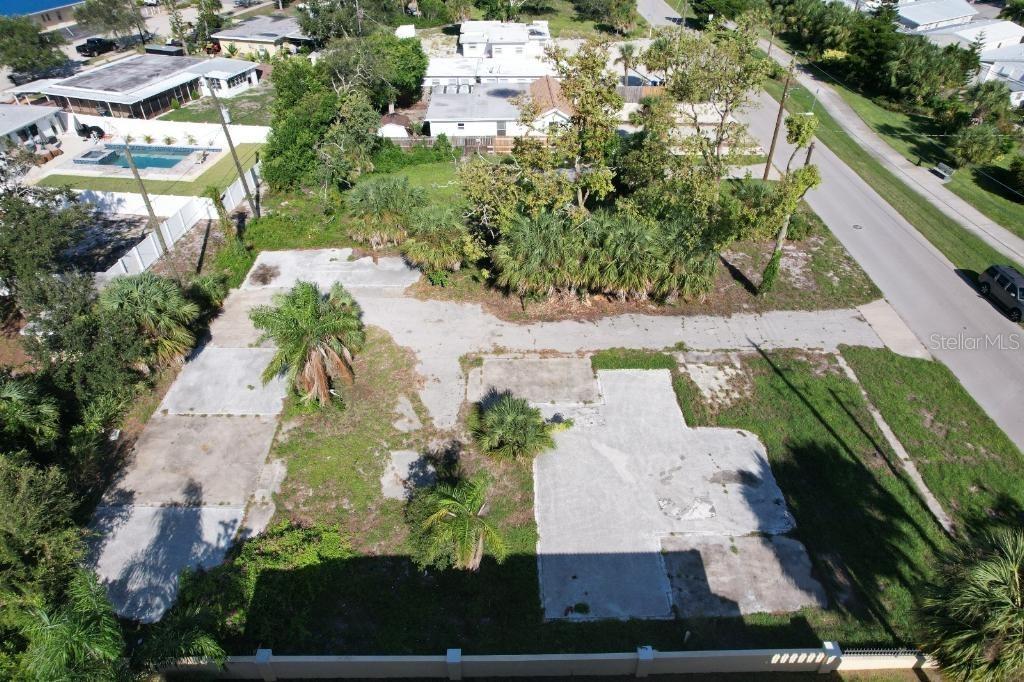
x: 73, y: 147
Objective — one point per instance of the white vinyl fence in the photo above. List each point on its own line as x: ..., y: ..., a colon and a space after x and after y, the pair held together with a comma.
x: 141, y: 256
x: 645, y: 661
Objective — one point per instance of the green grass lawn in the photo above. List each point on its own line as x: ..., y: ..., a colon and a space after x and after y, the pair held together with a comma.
x: 918, y: 139
x: 975, y: 471
x: 220, y: 175
x: 438, y: 181
x: 564, y: 22
x: 250, y: 108
x: 964, y: 249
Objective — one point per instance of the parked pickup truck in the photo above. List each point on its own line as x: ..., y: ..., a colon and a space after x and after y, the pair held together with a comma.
x: 95, y: 46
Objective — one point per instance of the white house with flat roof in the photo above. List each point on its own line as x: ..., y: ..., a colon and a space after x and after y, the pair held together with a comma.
x: 454, y: 71
x: 493, y: 110
x: 504, y: 39
x: 989, y: 34
x: 147, y: 85
x: 1005, y: 64
x: 269, y: 34
x: 925, y: 15
x: 21, y: 123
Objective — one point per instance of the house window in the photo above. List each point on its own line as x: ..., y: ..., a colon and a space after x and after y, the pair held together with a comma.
x: 460, y: 126
x: 238, y: 80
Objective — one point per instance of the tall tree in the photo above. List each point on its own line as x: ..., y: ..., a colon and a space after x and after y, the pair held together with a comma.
x: 974, y: 610
x: 179, y: 28
x: 628, y: 57
x: 457, y: 526
x: 800, y: 129
x: 316, y: 336
x: 389, y: 69
x: 790, y: 192
x: 120, y: 17
x: 26, y: 49
x: 1013, y: 11
x: 346, y: 149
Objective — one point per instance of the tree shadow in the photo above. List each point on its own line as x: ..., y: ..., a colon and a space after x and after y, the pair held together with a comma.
x: 927, y: 150
x: 999, y: 181
x: 738, y: 275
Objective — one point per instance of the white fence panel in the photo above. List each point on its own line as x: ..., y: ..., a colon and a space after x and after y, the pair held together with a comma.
x: 148, y: 251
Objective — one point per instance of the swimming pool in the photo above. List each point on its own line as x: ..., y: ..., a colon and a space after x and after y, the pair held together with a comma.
x: 146, y: 156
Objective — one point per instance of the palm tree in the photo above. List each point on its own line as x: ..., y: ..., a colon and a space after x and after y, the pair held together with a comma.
x: 382, y: 207
x: 457, y: 526
x: 974, y: 612
x: 81, y: 640
x: 510, y: 428
x: 26, y: 414
x: 316, y: 337
x: 1013, y: 11
x: 628, y: 57
x: 438, y: 239
x: 159, y: 309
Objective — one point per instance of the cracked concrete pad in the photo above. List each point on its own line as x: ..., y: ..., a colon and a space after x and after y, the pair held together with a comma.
x: 893, y: 331
x: 233, y: 328
x: 327, y: 266
x: 539, y: 380
x: 262, y: 508
x: 146, y: 548
x: 732, y: 576
x: 195, y: 461
x: 629, y: 472
x: 407, y: 421
x: 404, y: 471
x: 611, y: 585
x: 226, y: 381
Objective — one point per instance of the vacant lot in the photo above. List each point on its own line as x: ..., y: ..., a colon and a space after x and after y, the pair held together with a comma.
x: 251, y: 108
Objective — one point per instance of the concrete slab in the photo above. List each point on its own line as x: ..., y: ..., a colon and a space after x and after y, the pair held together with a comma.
x: 196, y: 461
x: 732, y: 576
x: 144, y: 549
x: 893, y: 331
x: 629, y: 472
x: 407, y: 421
x: 226, y: 381
x: 233, y: 328
x: 327, y: 266
x: 563, y: 381
x: 405, y: 470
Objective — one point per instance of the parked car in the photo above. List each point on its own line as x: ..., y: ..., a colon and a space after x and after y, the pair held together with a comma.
x: 1004, y: 285
x: 245, y: 3
x: 95, y: 46
x: 135, y: 39
x: 68, y: 68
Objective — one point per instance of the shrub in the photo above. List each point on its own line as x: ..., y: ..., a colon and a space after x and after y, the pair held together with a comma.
x: 168, y: 140
x: 389, y: 157
x: 439, y: 239
x: 382, y: 207
x: 508, y: 427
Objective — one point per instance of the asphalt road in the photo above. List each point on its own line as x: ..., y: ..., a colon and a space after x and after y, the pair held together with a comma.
x: 658, y: 13
x: 977, y: 342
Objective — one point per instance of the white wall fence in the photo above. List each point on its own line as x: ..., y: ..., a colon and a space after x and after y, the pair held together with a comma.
x: 644, y: 662
x: 205, y: 134
x: 141, y: 256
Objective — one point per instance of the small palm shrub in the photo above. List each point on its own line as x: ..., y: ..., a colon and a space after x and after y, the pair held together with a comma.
x: 509, y: 428
x: 439, y: 240
x: 382, y: 208
x: 161, y: 311
x: 316, y: 336
x: 450, y: 527
x: 27, y: 415
x: 974, y: 612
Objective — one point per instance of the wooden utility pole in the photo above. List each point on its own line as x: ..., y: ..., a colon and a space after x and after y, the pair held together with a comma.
x: 778, y: 119
x: 231, y: 145
x: 154, y: 222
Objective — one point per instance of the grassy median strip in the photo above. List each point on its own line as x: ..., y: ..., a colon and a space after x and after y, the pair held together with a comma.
x: 975, y: 471
x: 221, y: 174
x: 964, y: 249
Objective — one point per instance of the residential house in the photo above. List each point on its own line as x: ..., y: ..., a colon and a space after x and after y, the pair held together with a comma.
x: 926, y: 15
x: 456, y: 71
x: 147, y: 85
x: 504, y: 39
x: 263, y: 35
x: 47, y: 13
x: 1005, y: 64
x: 493, y: 110
x: 23, y: 123
x: 988, y: 34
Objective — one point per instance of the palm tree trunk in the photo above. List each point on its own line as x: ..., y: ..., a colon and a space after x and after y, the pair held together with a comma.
x: 771, y: 271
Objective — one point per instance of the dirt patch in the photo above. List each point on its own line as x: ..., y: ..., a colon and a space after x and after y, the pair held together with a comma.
x: 264, y: 274
x: 929, y: 422
x: 720, y: 378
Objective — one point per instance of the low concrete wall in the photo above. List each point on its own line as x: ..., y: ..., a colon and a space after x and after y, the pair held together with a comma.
x: 206, y: 134
x: 643, y: 662
x: 127, y: 203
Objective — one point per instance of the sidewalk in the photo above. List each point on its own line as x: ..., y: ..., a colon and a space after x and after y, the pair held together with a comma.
x: 918, y: 178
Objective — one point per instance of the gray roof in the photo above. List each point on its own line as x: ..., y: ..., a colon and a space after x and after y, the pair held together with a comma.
x: 17, y: 116
x: 270, y: 29
x: 927, y: 12
x: 484, y: 103
x: 136, y: 78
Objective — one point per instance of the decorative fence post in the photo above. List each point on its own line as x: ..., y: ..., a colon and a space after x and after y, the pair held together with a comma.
x: 265, y: 665
x: 644, y: 659
x: 833, y: 656
x: 453, y: 659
